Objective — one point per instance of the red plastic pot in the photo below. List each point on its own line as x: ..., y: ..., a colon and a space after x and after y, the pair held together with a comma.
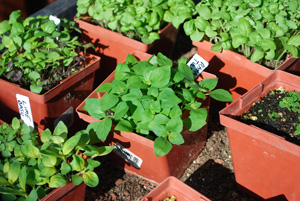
x: 265, y: 164
x: 236, y: 73
x: 51, y: 106
x: 113, y: 47
x: 173, y: 186
x: 67, y: 192
x: 291, y: 66
x: 153, y: 169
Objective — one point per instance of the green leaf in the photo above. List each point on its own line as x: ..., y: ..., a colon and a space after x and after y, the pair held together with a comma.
x: 162, y: 146
x: 196, y: 120
x: 108, y: 101
x: 94, y: 109
x: 60, y: 129
x: 4, y: 27
x: 257, y: 55
x: 49, y: 161
x: 105, y: 87
x: 185, y: 70
x: 90, y: 179
x: 65, y: 168
x: 217, y: 47
x: 268, y: 44
x: 77, y: 180
x: 45, y: 136
x: 119, y: 86
x: 197, y: 36
x: 239, y: 40
x: 36, y: 89
x: 121, y: 72
x: 160, y: 130
x: 32, y: 196
x: 48, y: 172
x: 104, y: 150
x: 176, y: 138
x: 48, y: 27
x: 189, y: 27
x: 30, y: 150
x: 208, y: 83
x: 124, y: 125
x: 23, y: 177
x: 14, y: 171
x: 160, y: 77
x: 175, y: 124
x: 210, y: 32
x: 221, y: 95
x: 121, y: 110
x: 102, y: 128
x: 15, y: 123
x: 14, y: 16
x: 57, y: 181
x: 168, y: 98
x: 162, y: 60
x: 244, y: 27
x: 70, y: 144
x: 77, y: 163
x: 8, y: 43
x: 16, y: 29
x: 33, y: 75
x: 294, y: 40
x: 130, y: 59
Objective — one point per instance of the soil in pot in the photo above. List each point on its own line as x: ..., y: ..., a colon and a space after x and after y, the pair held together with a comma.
x: 277, y: 112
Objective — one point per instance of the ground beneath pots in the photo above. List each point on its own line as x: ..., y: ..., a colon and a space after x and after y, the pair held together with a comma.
x: 211, y: 173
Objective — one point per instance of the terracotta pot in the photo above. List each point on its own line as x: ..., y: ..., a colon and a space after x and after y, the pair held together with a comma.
x: 153, y: 169
x: 291, y: 66
x: 67, y: 192
x: 173, y: 186
x: 113, y: 47
x: 51, y: 106
x: 265, y: 164
x: 236, y: 73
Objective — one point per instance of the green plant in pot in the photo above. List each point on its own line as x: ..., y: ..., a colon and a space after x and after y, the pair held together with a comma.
x: 151, y: 98
x: 140, y: 20
x: 36, y: 53
x: 31, y: 167
x: 277, y: 112
x: 264, y: 31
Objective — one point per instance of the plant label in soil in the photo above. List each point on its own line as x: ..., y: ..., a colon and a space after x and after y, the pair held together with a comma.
x: 128, y: 156
x: 55, y: 20
x: 67, y: 117
x: 25, y: 110
x: 197, y: 64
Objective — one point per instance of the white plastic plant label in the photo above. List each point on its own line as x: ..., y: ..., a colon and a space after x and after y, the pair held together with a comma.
x: 197, y: 64
x: 128, y: 156
x: 25, y: 110
x: 55, y: 20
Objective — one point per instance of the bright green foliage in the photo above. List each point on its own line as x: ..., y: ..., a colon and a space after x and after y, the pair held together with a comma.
x: 261, y: 30
x: 137, y: 19
x: 149, y: 98
x: 28, y: 169
x: 37, y: 54
x: 292, y: 103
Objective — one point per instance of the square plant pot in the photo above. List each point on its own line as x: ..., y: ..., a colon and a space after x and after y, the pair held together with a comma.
x: 56, y: 104
x: 113, y: 47
x: 67, y: 192
x: 236, y: 73
x: 265, y: 164
x: 153, y: 169
x: 174, y: 187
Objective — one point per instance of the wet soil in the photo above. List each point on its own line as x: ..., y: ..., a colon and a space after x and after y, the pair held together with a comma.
x: 211, y: 174
x: 271, y: 116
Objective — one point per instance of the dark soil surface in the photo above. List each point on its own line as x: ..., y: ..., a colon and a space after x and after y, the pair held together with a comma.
x: 211, y: 173
x: 269, y: 115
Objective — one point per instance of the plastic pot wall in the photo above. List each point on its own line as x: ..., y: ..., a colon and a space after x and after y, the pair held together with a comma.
x: 236, y: 73
x: 173, y: 186
x: 113, y: 47
x: 264, y: 163
x: 153, y: 169
x: 67, y: 192
x: 51, y: 106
